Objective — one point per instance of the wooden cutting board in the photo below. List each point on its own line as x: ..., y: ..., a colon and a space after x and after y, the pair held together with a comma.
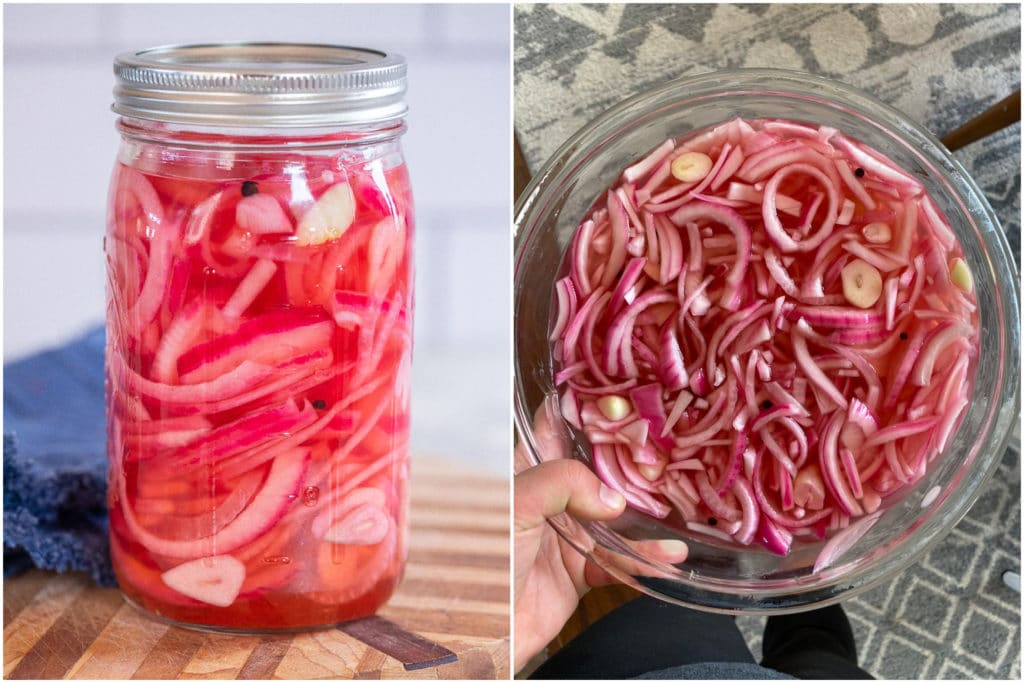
x: 455, y: 592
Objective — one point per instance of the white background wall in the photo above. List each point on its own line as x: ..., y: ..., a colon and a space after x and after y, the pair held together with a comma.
x: 59, y: 146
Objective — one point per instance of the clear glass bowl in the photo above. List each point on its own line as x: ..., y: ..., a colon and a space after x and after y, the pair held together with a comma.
x: 720, y: 577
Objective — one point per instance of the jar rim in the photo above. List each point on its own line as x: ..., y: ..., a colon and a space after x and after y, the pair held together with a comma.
x: 258, y: 84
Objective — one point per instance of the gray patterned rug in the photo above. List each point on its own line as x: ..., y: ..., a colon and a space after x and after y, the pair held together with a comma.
x: 949, y: 616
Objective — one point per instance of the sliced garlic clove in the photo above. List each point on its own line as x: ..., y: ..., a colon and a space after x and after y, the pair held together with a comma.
x: 862, y: 283
x: 328, y: 218
x: 691, y: 167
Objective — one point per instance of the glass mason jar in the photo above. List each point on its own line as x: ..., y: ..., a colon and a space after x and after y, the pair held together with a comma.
x: 259, y: 333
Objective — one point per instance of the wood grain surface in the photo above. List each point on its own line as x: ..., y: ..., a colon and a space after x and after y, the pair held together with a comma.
x: 455, y: 593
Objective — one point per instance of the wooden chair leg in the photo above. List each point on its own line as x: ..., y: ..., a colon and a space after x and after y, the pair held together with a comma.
x: 520, y: 171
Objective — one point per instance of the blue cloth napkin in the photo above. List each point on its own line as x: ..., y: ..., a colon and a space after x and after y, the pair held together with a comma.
x: 55, y: 461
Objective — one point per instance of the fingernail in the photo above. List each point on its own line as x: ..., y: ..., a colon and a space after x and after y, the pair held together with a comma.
x: 668, y: 548
x: 611, y: 498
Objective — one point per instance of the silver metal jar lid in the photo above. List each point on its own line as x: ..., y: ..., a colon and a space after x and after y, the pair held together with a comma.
x: 261, y: 84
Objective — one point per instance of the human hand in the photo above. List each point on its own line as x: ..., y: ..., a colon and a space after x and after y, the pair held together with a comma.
x: 550, y: 576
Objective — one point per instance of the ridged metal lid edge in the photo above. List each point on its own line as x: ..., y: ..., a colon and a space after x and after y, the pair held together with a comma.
x: 261, y: 84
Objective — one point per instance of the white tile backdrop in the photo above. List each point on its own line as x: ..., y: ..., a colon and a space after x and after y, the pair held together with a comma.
x: 59, y: 145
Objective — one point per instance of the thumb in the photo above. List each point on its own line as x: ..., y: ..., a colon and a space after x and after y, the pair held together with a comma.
x: 558, y: 486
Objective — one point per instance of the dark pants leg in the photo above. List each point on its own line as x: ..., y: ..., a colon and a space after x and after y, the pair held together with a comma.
x: 816, y: 644
x: 646, y: 635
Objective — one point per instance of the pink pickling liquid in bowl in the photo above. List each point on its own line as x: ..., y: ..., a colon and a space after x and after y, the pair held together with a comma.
x: 763, y: 330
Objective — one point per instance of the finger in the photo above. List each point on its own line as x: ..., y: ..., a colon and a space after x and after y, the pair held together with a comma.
x: 550, y: 430
x: 520, y: 461
x: 563, y: 486
x: 550, y: 442
x: 671, y: 551
x: 596, y: 577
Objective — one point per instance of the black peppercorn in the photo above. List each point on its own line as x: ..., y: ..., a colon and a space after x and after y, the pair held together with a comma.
x: 319, y: 404
x: 766, y: 405
x: 859, y: 173
x: 712, y: 521
x: 249, y: 187
x: 903, y: 335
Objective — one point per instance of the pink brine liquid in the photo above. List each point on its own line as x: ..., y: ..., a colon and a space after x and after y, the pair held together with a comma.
x: 259, y: 330
x: 764, y: 330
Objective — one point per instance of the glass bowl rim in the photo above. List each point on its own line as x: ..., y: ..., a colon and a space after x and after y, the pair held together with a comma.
x: 890, y: 121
